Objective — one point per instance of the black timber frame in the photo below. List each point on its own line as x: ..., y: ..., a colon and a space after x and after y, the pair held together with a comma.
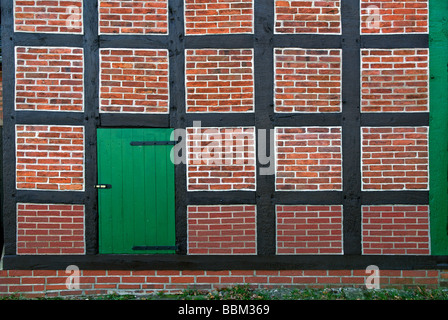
x: 263, y: 42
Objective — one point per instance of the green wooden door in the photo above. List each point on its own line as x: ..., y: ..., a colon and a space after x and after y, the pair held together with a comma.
x: 136, y: 214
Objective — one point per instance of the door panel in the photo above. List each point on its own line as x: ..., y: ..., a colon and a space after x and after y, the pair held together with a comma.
x: 138, y: 210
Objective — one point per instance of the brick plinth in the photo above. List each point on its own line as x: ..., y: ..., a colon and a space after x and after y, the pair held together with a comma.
x: 38, y: 283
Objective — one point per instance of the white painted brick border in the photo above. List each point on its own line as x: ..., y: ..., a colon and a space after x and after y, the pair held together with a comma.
x: 229, y: 205
x: 121, y: 33
x: 50, y: 47
x: 52, y: 32
x: 361, y: 159
x: 388, y: 33
x: 394, y: 49
x: 214, y: 128
x: 133, y: 112
x: 394, y: 205
x: 83, y: 158
x: 309, y: 205
x: 306, y: 49
x: 225, y: 34
x: 317, y: 33
x: 53, y: 204
x: 276, y: 158
x: 227, y: 112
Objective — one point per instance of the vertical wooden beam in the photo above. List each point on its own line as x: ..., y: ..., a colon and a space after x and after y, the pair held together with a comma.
x: 176, y: 48
x: 264, y: 120
x: 91, y: 122
x: 9, y: 116
x: 351, y: 122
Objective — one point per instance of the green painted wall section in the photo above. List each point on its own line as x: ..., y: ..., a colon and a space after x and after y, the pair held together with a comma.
x: 438, y: 127
x: 139, y: 209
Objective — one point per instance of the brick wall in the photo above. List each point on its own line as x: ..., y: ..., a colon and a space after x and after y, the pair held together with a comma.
x: 309, y: 16
x: 134, y: 81
x: 308, y: 158
x: 308, y: 80
x: 50, y: 157
x: 309, y: 229
x: 222, y: 229
x: 395, y: 229
x: 220, y: 159
x: 400, y: 16
x: 395, y: 80
x: 49, y: 78
x: 395, y: 158
x: 219, y: 80
x: 50, y: 229
x: 48, y: 16
x: 37, y: 283
x: 218, y: 17
x: 133, y: 17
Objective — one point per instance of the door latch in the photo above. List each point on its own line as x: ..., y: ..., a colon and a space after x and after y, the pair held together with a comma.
x: 103, y: 186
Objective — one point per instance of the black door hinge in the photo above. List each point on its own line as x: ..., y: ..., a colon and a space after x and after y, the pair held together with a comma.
x: 175, y: 247
x: 152, y: 143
